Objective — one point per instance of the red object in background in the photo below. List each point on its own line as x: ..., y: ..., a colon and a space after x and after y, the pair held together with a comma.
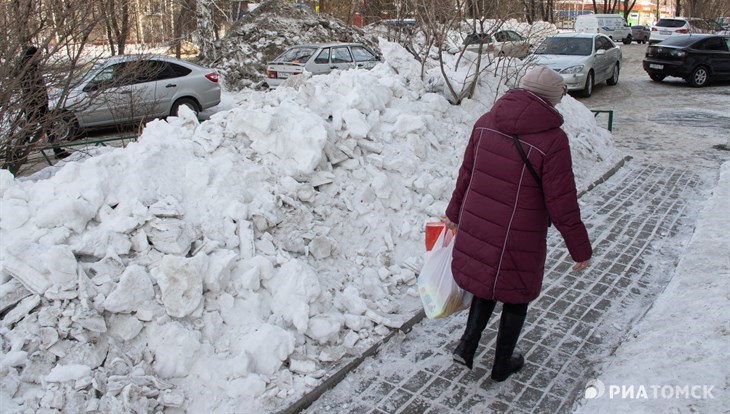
x: 433, y: 229
x: 357, y: 20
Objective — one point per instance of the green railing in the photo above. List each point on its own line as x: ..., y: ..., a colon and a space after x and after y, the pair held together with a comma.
x: 97, y: 142
x: 101, y: 142
x: 597, y: 112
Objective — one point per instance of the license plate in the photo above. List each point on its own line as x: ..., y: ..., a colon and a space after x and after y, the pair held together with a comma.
x: 665, y: 32
x: 283, y: 75
x: 655, y: 66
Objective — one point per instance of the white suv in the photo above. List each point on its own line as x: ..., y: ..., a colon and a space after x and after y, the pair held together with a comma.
x: 678, y: 25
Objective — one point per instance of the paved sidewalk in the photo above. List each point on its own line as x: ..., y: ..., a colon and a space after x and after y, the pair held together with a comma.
x: 576, y: 323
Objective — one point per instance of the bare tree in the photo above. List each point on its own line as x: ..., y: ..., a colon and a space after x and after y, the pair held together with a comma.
x: 60, y: 29
x: 708, y: 9
x: 117, y: 23
x: 628, y: 5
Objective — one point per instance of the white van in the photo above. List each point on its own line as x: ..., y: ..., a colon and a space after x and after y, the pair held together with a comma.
x: 612, y: 25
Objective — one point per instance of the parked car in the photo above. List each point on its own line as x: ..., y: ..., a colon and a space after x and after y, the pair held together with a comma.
x: 697, y: 58
x: 724, y: 22
x: 132, y: 88
x: 640, y: 34
x: 584, y: 59
x: 503, y: 43
x: 319, y: 59
x: 612, y: 25
x: 682, y: 25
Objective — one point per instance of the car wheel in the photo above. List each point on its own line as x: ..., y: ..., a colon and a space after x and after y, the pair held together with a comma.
x: 614, y: 77
x: 699, y: 77
x: 657, y: 77
x: 588, y: 88
x: 627, y: 40
x: 65, y: 128
x: 190, y: 103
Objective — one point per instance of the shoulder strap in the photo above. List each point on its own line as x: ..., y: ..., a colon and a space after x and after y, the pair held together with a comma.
x: 527, y: 163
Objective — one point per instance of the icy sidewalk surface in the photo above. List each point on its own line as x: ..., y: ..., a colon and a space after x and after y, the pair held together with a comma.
x: 638, y: 221
x: 679, y: 351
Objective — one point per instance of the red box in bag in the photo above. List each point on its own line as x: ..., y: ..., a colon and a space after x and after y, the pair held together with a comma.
x: 433, y: 229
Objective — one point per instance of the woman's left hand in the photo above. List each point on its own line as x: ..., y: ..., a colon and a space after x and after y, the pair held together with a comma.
x: 449, y: 224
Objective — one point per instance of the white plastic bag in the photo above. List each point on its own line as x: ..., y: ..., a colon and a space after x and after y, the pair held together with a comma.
x: 440, y: 294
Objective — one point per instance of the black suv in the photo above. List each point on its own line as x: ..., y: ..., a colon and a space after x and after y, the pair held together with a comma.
x: 698, y: 58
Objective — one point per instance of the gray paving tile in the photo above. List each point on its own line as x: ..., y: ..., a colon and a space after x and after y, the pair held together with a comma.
x: 570, y: 328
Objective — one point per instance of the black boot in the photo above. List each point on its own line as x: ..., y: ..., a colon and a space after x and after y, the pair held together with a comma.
x: 59, y: 153
x: 479, y: 313
x: 506, y: 362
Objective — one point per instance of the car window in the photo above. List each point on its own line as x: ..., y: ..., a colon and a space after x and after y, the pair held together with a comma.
x: 685, y: 40
x: 603, y: 43
x: 341, y: 55
x: 514, y: 36
x: 152, y: 70
x: 714, y: 26
x: 713, y: 43
x: 179, y: 70
x: 476, y: 38
x: 160, y: 70
x: 501, y: 36
x: 296, y: 55
x: 574, y: 46
x: 361, y: 54
x: 671, y: 23
x: 323, y: 56
x: 118, y: 74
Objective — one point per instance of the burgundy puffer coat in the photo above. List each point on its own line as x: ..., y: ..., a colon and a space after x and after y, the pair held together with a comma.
x: 502, y: 213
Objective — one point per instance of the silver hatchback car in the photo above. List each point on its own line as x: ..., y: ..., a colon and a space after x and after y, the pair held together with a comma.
x: 133, y: 88
x: 583, y: 59
x: 319, y: 59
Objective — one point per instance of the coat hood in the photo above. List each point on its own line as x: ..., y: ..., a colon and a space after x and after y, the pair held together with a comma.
x: 522, y: 112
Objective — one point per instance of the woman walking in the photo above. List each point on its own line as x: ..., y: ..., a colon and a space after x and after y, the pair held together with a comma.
x: 516, y: 178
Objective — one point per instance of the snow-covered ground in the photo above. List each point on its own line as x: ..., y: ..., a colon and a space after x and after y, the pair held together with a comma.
x: 676, y: 359
x: 252, y: 253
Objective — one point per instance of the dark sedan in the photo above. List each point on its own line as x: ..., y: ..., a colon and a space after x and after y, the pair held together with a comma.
x: 698, y: 58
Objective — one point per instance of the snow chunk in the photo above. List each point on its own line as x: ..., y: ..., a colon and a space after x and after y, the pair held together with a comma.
x: 294, y: 288
x: 297, y: 140
x: 134, y: 288
x: 72, y: 372
x: 174, y: 347
x: 269, y: 346
x: 181, y: 282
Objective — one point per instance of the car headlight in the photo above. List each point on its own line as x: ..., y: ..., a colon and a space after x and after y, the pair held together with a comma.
x: 573, y: 69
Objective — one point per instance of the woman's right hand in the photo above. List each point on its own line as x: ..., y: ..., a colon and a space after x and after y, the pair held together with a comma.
x: 581, y: 265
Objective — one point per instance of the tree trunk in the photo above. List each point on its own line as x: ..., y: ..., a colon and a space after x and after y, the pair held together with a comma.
x: 138, y: 22
x: 110, y: 37
x: 123, y: 32
x: 206, y: 29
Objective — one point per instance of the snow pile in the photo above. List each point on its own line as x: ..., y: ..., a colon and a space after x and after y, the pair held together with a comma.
x: 269, y: 30
x: 231, y: 265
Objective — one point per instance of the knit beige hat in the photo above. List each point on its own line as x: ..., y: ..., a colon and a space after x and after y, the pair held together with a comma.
x: 544, y: 82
